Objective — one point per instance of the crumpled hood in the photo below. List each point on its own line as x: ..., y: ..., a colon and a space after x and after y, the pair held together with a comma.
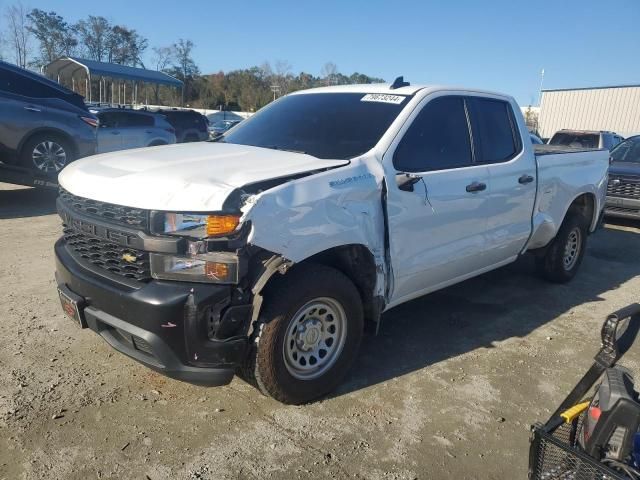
x: 185, y: 177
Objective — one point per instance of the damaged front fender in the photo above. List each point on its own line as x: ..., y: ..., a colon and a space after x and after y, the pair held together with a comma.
x: 303, y: 217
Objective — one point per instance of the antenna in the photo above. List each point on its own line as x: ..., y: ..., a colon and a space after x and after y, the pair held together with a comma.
x: 398, y: 83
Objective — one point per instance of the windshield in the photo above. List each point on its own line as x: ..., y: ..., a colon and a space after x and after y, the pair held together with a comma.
x: 575, y: 139
x: 627, y: 151
x: 326, y: 125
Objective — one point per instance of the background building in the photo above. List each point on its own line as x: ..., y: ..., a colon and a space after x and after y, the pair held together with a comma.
x: 614, y: 108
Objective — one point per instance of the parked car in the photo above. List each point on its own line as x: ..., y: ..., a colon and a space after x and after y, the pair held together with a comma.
x: 586, y: 139
x: 222, y: 126
x: 190, y: 126
x: 43, y: 125
x: 122, y: 129
x: 267, y: 251
x: 535, y: 139
x: 623, y: 190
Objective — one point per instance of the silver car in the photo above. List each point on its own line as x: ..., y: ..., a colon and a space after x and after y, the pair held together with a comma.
x: 122, y: 129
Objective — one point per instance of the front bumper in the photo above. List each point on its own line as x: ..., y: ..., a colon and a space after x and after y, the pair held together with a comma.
x: 622, y: 207
x: 171, y: 327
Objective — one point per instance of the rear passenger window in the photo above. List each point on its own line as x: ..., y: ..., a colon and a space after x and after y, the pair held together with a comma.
x: 438, y: 138
x: 494, y: 130
x: 136, y: 120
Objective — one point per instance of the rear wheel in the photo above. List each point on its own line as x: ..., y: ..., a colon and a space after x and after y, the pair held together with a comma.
x: 562, y: 259
x: 47, y: 153
x: 308, y: 335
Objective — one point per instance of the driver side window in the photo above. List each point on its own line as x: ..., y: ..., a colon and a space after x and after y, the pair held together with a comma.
x: 438, y: 138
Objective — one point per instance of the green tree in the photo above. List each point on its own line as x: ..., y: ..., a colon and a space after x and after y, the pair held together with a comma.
x: 55, y: 36
x: 93, y: 35
x: 185, y: 68
x: 125, y: 46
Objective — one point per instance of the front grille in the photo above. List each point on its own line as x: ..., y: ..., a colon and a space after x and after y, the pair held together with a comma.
x: 111, y: 257
x: 626, y: 188
x: 623, y: 211
x: 117, y: 214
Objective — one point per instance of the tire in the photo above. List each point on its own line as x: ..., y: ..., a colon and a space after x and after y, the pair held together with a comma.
x: 278, y: 369
x: 563, y: 257
x: 47, y: 153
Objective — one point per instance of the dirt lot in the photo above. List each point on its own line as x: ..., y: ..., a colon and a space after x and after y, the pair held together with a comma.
x: 447, y: 390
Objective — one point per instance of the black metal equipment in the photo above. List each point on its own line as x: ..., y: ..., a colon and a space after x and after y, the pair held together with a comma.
x: 594, y: 434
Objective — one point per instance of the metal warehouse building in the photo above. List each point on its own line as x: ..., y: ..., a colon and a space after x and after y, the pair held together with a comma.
x: 614, y: 108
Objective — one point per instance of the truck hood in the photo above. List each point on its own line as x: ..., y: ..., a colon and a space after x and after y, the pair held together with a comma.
x: 625, y: 168
x: 185, y: 177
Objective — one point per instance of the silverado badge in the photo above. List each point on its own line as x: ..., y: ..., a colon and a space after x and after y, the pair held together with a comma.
x: 129, y: 257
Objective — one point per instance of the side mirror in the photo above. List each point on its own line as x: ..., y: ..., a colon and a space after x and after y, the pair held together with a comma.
x: 406, y: 181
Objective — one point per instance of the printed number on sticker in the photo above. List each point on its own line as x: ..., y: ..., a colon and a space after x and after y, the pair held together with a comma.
x: 383, y: 97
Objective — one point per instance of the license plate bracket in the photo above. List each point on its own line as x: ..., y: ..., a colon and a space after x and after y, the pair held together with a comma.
x: 72, y: 306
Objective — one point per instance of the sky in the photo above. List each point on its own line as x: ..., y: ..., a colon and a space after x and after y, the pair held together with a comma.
x: 501, y: 45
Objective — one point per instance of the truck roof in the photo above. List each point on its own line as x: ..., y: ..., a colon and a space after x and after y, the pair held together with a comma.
x: 385, y: 88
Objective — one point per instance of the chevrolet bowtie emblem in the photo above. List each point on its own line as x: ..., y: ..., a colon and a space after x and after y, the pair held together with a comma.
x: 129, y: 257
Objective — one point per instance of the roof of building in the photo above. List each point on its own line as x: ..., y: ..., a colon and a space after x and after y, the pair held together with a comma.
x: 590, y: 88
x: 113, y: 70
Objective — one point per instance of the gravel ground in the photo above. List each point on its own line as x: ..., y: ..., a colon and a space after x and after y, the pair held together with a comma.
x: 448, y: 388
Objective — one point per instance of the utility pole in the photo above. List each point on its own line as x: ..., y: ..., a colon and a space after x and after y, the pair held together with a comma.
x: 540, y: 91
x: 275, y: 89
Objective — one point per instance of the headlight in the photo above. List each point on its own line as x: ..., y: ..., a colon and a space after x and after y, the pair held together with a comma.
x: 214, y: 267
x: 199, y: 225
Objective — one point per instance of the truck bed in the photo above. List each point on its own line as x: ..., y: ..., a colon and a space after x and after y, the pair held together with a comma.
x: 563, y: 174
x: 541, y: 150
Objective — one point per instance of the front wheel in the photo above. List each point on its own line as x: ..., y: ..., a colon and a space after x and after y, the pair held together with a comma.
x: 309, y: 333
x: 47, y: 154
x: 562, y: 259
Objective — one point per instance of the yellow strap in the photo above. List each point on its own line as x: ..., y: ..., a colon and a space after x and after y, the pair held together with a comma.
x: 573, y: 412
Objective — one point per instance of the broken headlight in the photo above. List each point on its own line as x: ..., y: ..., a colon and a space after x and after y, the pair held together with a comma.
x: 213, y: 267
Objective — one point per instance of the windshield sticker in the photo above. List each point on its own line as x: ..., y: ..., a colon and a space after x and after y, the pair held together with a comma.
x: 383, y: 98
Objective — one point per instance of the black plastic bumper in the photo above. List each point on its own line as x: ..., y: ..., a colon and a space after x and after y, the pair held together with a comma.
x: 164, y: 325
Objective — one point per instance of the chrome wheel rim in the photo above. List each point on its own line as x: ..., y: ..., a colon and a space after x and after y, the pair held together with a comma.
x: 572, y: 249
x: 315, y: 338
x: 49, y: 156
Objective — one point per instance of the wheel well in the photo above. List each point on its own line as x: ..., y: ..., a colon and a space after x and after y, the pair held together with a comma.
x: 583, y: 205
x: 58, y: 133
x: 358, y: 264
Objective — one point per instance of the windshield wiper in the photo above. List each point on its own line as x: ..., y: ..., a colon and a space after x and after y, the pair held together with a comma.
x: 277, y: 147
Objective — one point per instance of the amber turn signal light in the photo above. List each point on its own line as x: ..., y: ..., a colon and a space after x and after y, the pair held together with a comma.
x: 221, y: 224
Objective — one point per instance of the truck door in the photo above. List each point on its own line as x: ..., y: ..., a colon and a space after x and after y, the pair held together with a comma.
x: 437, y: 219
x: 512, y: 172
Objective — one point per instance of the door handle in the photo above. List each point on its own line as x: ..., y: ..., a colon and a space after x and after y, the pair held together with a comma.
x: 476, y: 187
x: 32, y: 109
x: 525, y: 179
x: 115, y: 133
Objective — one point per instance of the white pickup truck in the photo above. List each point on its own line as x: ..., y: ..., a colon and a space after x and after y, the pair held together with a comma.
x: 267, y: 252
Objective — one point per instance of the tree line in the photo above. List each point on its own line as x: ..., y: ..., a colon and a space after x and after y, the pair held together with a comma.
x: 32, y: 38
